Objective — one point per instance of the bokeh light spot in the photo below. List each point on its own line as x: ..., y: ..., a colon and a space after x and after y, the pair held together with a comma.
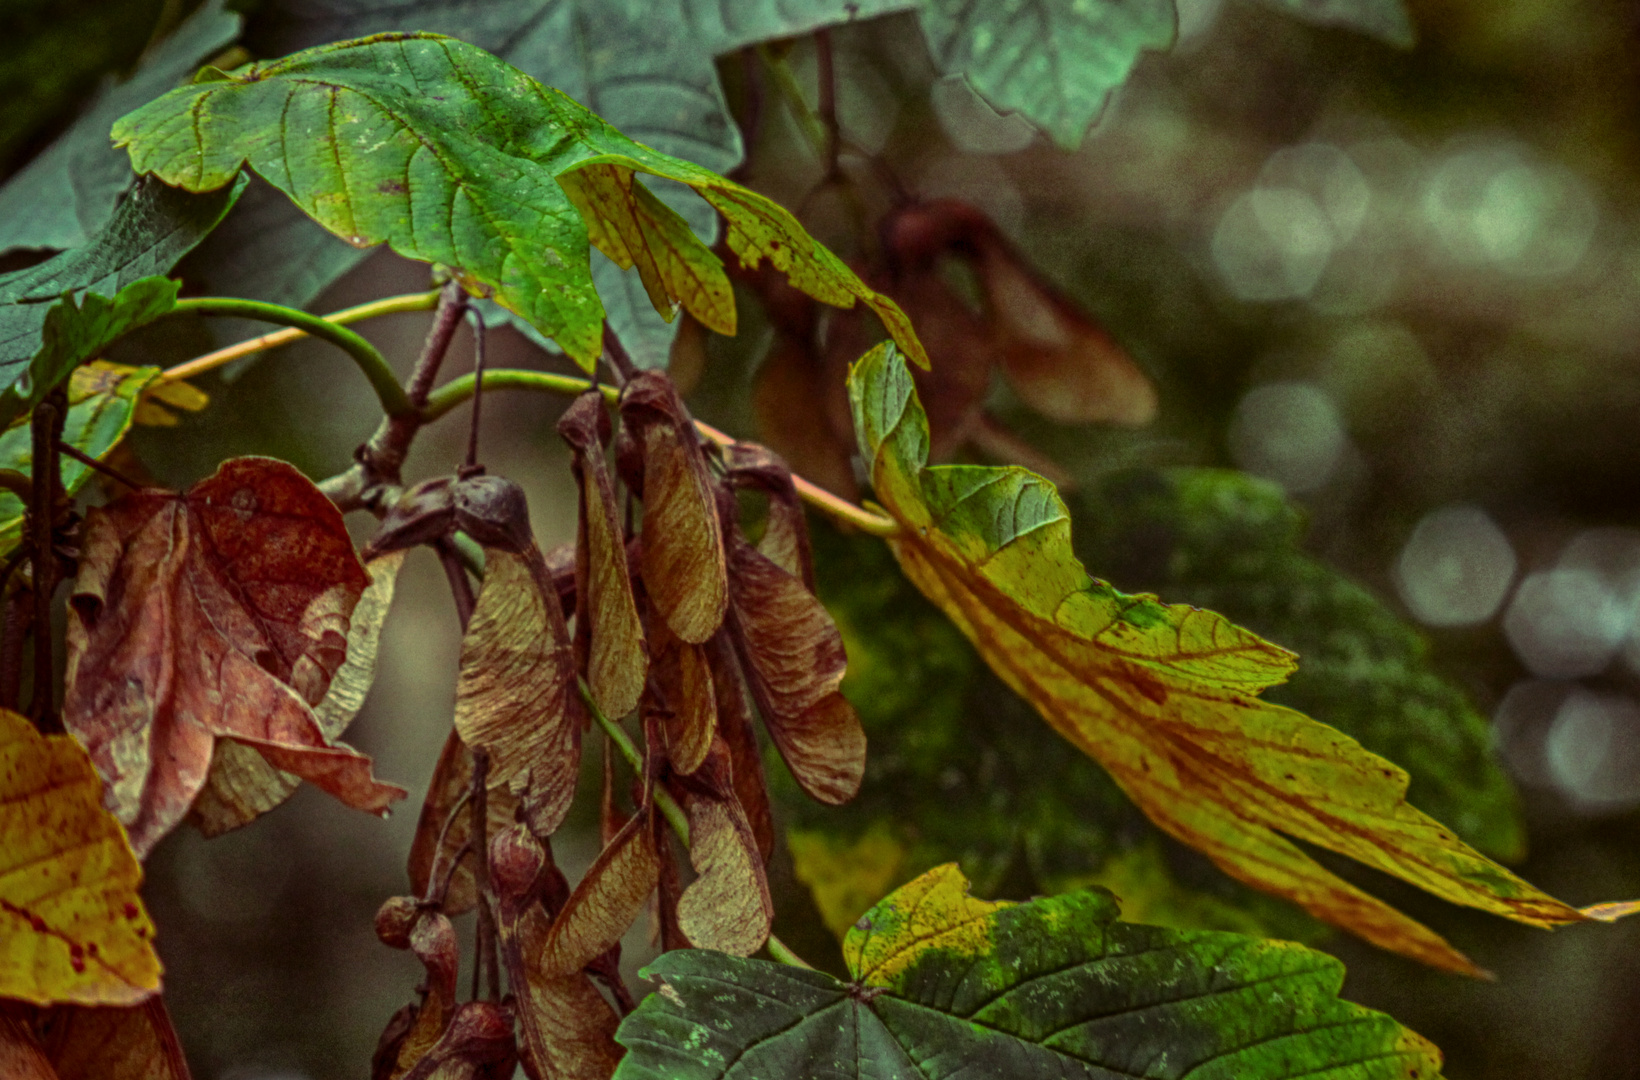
x: 1456, y: 567
x: 1566, y: 623
x: 1272, y: 244
x: 1593, y: 751
x: 1289, y: 432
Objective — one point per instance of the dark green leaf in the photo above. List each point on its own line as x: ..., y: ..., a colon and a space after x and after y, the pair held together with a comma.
x: 947, y: 986
x: 448, y: 155
x: 646, y: 66
x: 67, y: 193
x: 77, y: 332
x: 1053, y: 61
x: 153, y: 228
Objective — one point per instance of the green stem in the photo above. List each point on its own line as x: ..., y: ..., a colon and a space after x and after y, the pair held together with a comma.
x: 393, y: 399
x: 457, y: 391
x: 785, y: 82
x: 670, y: 810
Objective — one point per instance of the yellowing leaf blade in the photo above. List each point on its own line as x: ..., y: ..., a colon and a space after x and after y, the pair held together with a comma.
x: 1163, y: 697
x: 72, y: 926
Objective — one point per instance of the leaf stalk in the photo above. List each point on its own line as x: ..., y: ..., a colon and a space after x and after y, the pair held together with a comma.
x: 394, y: 401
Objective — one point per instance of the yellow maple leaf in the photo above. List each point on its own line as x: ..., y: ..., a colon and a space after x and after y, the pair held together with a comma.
x: 1165, y: 697
x: 72, y: 927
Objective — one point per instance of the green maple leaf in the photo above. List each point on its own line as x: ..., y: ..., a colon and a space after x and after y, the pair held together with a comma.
x: 944, y: 985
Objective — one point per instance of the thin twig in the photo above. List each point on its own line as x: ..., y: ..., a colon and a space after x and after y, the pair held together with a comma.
x: 619, y: 362
x: 199, y: 365
x: 12, y: 634
x: 452, y: 304
x: 485, y: 956
x: 461, y: 587
x: 92, y: 463
x: 477, y: 320
x: 443, y: 834
x: 46, y: 431
x: 828, y: 99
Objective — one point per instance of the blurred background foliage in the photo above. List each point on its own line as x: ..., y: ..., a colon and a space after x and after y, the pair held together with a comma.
x: 1391, y: 303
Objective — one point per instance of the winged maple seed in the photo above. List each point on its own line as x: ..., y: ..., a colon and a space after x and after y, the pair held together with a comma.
x: 515, y: 696
x: 1058, y: 360
x: 727, y: 907
x: 76, y: 1042
x: 609, y: 641
x: 221, y: 613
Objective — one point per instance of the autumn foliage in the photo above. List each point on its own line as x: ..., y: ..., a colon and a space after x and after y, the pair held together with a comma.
x: 220, y: 639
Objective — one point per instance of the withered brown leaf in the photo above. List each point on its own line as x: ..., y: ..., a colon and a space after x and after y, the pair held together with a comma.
x: 219, y: 613
x: 793, y: 659
x: 516, y: 695
x: 684, y: 571
x: 567, y: 1029
x: 735, y: 727
x: 83, y: 1042
x: 441, y: 839
x: 609, y: 639
x: 785, y: 537
x: 684, y: 680
x: 727, y: 907
x: 242, y: 786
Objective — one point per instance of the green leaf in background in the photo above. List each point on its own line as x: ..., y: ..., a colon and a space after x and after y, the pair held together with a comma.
x: 1228, y: 541
x: 948, y: 986
x: 103, y: 401
x: 67, y: 192
x: 151, y: 229
x: 1054, y: 62
x: 501, y: 178
x: 1386, y: 20
x: 77, y: 332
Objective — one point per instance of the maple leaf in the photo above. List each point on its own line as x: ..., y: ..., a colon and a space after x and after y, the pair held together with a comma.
x: 1165, y: 698
x: 72, y: 927
x: 242, y: 786
x: 218, y: 613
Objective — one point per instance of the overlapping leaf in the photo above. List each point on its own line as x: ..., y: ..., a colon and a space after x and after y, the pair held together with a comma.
x: 485, y: 176
x: 62, y: 197
x: 152, y: 228
x: 946, y: 986
x: 72, y: 927
x: 1165, y: 697
x: 103, y: 401
x: 242, y: 786
x: 76, y: 332
x: 219, y: 613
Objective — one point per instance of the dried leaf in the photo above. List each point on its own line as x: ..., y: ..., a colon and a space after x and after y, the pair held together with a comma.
x: 476, y: 1045
x: 683, y: 678
x: 790, y: 382
x: 20, y: 1055
x: 242, y: 786
x: 683, y: 565
x: 607, y: 902
x: 1058, y: 360
x: 1165, y: 697
x: 430, y: 863
x: 433, y: 940
x: 221, y: 613
x: 72, y: 926
x: 727, y: 907
x: 735, y: 727
x: 794, y: 661
x: 609, y: 638
x: 111, y: 1043
x: 515, y: 697
x: 785, y: 537
x: 567, y: 1028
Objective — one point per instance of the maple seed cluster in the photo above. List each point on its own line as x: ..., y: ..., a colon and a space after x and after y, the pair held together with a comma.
x: 682, y: 621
